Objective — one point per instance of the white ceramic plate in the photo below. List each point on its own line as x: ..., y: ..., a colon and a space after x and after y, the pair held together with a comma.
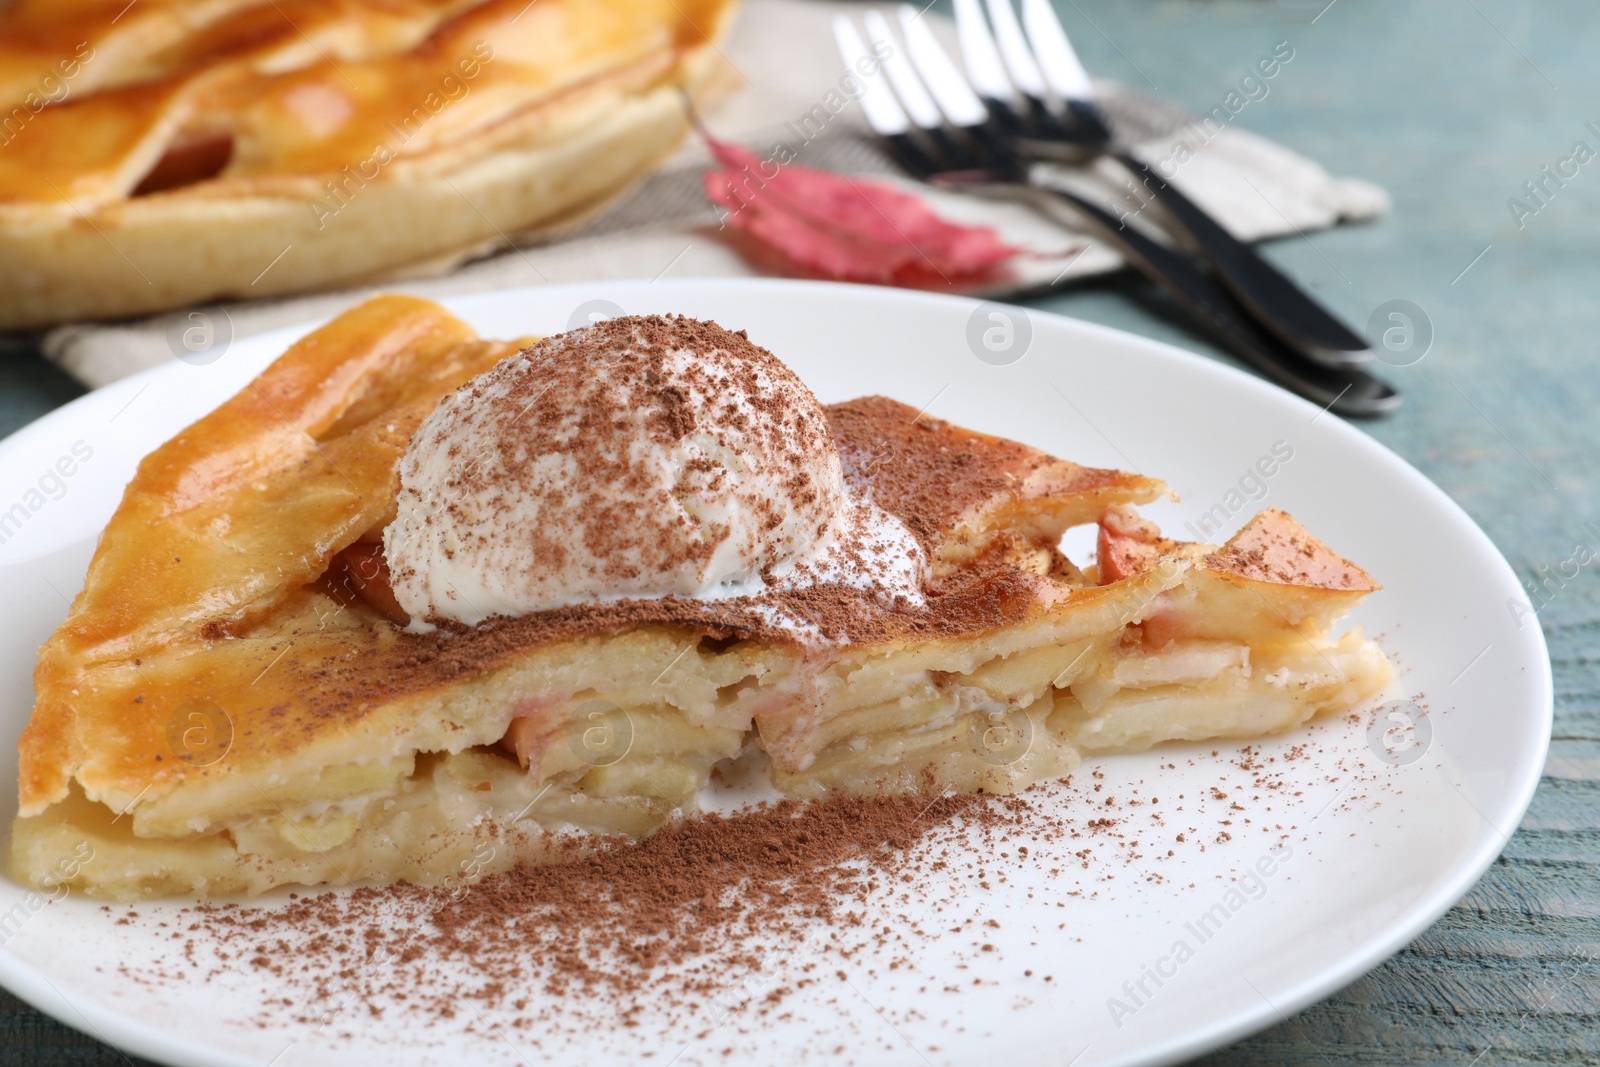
x: 1381, y: 847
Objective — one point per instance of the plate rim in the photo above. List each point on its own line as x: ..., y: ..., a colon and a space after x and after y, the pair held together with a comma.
x: 128, y: 1033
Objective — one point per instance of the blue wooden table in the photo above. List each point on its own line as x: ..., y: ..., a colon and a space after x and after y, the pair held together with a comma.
x: 1453, y: 105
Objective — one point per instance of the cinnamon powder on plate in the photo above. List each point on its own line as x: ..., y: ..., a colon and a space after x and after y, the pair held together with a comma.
x: 670, y: 921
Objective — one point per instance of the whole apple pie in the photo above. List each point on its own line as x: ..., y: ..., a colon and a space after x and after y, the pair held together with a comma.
x: 163, y: 153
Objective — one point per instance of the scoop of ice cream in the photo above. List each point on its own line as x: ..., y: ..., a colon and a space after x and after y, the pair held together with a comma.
x: 638, y: 457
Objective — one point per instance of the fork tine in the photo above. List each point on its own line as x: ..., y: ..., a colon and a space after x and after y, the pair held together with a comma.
x: 1018, y: 118
x: 973, y: 122
x: 954, y: 96
x: 1030, y: 116
x: 907, y: 86
x: 949, y: 153
x: 978, y: 51
x: 1014, y: 50
x: 884, y: 113
x: 1057, y: 58
x: 1064, y: 72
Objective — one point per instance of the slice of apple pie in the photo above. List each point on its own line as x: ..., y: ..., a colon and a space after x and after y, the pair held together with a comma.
x: 412, y: 592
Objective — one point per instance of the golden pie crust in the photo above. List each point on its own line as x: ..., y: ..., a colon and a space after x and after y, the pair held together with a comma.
x: 227, y: 708
x: 172, y: 153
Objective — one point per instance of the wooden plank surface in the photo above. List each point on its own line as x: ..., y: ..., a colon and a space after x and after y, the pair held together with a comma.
x: 1451, y: 106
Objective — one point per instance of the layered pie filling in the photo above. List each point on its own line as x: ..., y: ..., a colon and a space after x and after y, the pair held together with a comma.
x: 542, y: 597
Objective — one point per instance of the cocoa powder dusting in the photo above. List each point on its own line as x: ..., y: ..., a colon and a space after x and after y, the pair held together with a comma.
x: 934, y: 476
x: 1273, y: 547
x: 716, y: 930
x: 669, y: 921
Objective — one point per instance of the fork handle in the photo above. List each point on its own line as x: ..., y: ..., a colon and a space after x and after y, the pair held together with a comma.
x: 1344, y: 390
x: 1276, y: 302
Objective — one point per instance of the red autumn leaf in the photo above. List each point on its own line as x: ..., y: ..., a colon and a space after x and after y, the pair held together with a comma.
x: 844, y: 228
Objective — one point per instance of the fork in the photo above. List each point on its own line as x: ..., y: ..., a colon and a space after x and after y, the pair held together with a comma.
x: 972, y: 152
x: 1050, y: 68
